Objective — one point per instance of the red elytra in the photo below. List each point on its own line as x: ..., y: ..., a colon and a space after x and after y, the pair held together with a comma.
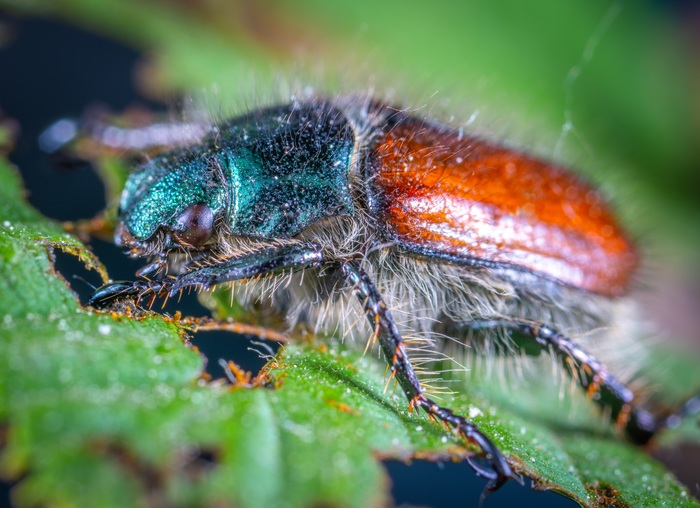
x: 464, y: 197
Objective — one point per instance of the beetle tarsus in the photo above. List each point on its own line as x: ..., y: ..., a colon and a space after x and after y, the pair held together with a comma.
x: 499, y: 470
x: 120, y: 291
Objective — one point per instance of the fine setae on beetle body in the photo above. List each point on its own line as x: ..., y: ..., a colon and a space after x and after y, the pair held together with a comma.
x: 326, y: 209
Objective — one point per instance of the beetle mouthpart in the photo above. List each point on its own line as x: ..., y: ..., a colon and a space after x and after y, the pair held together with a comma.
x: 154, y: 268
x: 122, y: 237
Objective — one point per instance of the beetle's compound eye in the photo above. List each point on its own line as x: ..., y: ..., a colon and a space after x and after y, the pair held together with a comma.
x: 194, y: 225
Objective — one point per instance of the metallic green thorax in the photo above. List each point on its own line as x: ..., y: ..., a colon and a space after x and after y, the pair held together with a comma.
x: 269, y: 174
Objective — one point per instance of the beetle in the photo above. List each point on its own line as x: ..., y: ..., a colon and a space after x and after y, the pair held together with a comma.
x: 302, y: 204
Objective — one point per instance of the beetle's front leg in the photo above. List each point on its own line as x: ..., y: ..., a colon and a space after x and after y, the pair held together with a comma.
x: 268, y: 260
x: 393, y: 347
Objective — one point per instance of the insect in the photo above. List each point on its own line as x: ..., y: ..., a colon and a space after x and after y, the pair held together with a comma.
x: 325, y: 208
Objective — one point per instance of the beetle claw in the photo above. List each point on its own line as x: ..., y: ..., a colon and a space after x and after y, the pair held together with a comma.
x: 108, y: 294
x: 498, y: 471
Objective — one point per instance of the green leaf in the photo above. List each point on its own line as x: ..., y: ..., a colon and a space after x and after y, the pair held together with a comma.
x: 106, y: 410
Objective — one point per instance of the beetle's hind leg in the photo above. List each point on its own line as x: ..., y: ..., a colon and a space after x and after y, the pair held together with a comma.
x: 394, y: 350
x: 593, y: 376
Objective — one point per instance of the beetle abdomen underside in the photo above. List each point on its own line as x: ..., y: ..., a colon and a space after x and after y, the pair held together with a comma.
x: 437, y: 191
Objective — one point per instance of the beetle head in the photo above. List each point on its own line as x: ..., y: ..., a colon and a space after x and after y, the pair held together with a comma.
x: 171, y: 202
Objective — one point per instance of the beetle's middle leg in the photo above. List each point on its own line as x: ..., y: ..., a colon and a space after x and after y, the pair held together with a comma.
x: 394, y: 350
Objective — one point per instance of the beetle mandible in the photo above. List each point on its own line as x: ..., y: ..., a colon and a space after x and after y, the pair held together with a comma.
x: 350, y: 195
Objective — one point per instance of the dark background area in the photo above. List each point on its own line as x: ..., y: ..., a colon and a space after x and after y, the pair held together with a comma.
x: 50, y: 71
